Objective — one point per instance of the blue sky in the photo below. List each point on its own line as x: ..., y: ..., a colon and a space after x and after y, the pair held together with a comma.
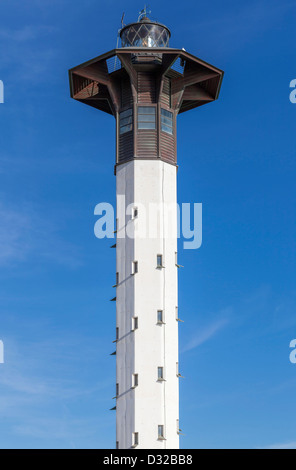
x: 236, y: 293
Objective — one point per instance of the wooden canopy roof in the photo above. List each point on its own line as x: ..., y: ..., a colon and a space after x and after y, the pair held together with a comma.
x: 97, y: 81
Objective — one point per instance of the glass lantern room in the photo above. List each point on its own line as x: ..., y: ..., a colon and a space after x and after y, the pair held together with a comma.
x: 145, y: 33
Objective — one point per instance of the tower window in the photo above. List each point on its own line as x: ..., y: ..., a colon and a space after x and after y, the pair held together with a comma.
x: 135, y: 439
x: 166, y: 121
x: 135, y: 267
x: 117, y: 390
x: 146, y: 117
x: 117, y: 279
x: 117, y: 333
x: 135, y: 380
x: 159, y: 261
x: 134, y: 323
x: 160, y: 432
x: 159, y: 373
x: 125, y: 121
x: 159, y: 316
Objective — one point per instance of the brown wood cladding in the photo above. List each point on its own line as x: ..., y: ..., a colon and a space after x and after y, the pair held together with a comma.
x: 126, y: 147
x: 146, y: 77
x: 126, y: 94
x: 146, y: 143
x: 165, y: 97
x: 146, y: 69
x: 211, y: 85
x: 149, y: 143
x: 168, y: 147
x: 146, y: 88
x: 79, y: 83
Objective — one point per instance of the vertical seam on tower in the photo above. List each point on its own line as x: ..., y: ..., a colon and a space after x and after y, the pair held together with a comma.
x: 163, y: 270
x: 133, y: 312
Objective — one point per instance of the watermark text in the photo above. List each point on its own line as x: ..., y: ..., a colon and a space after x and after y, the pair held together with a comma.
x: 150, y: 221
x: 293, y: 352
x: 1, y: 92
x: 293, y: 92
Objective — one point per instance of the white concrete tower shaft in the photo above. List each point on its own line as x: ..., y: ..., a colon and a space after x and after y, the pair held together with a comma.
x: 147, y: 404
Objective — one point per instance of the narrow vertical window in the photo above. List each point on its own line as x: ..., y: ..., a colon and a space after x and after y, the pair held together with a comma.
x: 135, y: 380
x: 146, y: 117
x: 159, y: 373
x: 117, y: 444
x: 166, y: 121
x: 125, y: 121
x: 117, y: 333
x: 159, y: 316
x: 117, y: 390
x: 135, y: 267
x: 117, y: 279
x: 160, y: 431
x: 134, y: 323
x: 135, y: 439
x: 159, y: 261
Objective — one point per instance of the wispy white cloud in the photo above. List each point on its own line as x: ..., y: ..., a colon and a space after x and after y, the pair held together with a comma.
x: 26, y: 33
x: 13, y: 232
x: 285, y: 445
x: 42, y: 382
x: 59, y: 161
x: 62, y: 428
x: 25, y: 233
x: 205, y: 333
x: 22, y: 58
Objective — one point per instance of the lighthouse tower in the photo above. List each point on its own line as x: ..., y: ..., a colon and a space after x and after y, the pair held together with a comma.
x: 145, y: 84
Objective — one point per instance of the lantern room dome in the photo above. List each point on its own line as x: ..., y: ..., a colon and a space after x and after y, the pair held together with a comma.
x: 145, y: 33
